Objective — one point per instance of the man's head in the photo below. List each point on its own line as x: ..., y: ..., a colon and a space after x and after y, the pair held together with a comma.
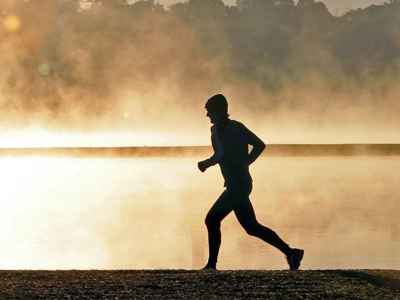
x: 217, y: 109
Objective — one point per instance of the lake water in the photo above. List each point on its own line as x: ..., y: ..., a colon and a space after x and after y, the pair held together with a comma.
x: 112, y: 213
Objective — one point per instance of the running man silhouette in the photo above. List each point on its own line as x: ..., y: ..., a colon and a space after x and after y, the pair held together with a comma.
x: 230, y: 140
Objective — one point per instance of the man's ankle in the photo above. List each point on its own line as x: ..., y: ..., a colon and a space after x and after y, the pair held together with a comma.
x: 210, y: 266
x: 287, y: 251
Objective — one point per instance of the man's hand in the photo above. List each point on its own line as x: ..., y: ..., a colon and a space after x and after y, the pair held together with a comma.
x: 202, y: 165
x: 255, y: 152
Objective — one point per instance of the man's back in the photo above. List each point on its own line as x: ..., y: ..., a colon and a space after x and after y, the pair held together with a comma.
x: 234, y: 139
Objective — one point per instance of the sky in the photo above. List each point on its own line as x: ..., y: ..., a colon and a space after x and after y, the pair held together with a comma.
x: 336, y: 7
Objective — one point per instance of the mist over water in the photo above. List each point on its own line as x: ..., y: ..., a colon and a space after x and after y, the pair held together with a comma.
x: 149, y: 213
x: 89, y: 67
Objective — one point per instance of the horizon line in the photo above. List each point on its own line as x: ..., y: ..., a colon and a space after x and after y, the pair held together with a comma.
x: 342, y: 149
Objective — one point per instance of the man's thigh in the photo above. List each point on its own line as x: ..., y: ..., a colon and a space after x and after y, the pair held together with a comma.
x: 245, y: 214
x: 221, y: 208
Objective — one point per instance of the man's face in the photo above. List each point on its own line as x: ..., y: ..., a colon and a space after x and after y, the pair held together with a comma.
x: 214, y: 118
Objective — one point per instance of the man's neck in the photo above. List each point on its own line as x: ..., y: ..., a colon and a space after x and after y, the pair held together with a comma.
x: 222, y: 123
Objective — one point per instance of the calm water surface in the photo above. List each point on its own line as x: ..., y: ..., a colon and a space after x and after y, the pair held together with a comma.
x: 148, y: 213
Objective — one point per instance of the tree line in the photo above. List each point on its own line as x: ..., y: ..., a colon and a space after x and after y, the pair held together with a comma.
x: 96, y: 45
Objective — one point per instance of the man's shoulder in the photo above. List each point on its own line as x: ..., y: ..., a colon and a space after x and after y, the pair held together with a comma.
x: 236, y: 124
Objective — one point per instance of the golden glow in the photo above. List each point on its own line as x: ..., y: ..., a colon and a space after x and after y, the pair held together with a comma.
x: 32, y: 211
x: 38, y: 137
x: 74, y: 213
x: 12, y: 23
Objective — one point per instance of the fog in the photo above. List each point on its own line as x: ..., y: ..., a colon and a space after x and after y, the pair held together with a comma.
x: 94, y: 67
x: 149, y: 213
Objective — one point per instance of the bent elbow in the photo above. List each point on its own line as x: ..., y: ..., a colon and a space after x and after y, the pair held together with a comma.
x: 262, y: 146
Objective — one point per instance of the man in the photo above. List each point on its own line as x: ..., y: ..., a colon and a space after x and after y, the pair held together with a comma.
x: 230, y: 140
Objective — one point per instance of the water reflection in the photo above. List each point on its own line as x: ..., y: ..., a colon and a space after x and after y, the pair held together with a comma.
x: 148, y: 213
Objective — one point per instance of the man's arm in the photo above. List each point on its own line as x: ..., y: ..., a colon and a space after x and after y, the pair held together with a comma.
x: 257, y: 144
x: 218, y: 152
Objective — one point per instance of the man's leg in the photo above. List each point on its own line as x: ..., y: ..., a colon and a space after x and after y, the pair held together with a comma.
x: 221, y: 208
x: 245, y: 214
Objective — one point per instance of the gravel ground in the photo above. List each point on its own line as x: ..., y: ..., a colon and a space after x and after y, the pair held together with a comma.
x: 173, y: 284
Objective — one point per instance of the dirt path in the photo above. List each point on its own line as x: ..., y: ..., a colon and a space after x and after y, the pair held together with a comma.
x: 196, y: 284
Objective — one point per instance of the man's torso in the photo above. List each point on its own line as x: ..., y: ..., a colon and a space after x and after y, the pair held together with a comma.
x: 234, y: 164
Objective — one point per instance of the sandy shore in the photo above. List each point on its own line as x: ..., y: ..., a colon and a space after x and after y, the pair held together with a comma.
x: 172, y: 284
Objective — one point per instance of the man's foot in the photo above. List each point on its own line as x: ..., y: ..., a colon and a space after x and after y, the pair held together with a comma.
x: 209, y: 267
x: 294, y: 258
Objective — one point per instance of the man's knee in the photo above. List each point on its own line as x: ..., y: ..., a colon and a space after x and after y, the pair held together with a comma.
x: 252, y: 229
x: 211, y: 222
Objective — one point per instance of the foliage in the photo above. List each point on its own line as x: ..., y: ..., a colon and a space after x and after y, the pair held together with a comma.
x: 88, y: 44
